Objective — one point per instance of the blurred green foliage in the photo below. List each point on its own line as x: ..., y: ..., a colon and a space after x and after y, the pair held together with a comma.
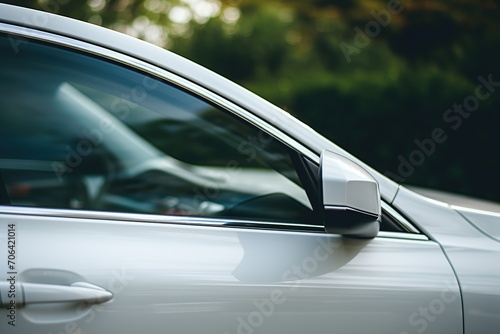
x: 373, y: 91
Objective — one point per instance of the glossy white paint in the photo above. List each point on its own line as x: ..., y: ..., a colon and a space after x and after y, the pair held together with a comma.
x: 350, y: 197
x: 486, y: 222
x: 473, y: 255
x: 189, y: 279
x: 347, y: 185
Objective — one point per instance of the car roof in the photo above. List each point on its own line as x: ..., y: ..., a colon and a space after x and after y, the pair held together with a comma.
x: 187, y: 69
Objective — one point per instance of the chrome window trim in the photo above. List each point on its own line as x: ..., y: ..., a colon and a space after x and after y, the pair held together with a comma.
x: 402, y: 235
x: 154, y: 218
x: 405, y: 224
x: 182, y: 220
x: 161, y: 74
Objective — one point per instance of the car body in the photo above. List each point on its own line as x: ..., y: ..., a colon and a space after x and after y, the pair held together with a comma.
x: 142, y: 192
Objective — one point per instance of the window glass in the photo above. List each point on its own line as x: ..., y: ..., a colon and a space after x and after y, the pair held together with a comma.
x: 84, y: 133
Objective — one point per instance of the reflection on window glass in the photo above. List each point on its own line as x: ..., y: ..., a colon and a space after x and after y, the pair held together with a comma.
x: 79, y: 132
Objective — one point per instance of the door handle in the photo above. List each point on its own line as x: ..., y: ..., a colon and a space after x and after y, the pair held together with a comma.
x: 35, y: 293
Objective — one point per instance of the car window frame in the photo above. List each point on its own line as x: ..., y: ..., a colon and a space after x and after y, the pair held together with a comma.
x: 204, y: 93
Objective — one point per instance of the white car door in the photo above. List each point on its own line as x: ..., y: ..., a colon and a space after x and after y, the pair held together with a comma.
x: 134, y: 203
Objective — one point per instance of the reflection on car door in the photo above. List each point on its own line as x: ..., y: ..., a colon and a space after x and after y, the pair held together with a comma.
x: 166, y: 277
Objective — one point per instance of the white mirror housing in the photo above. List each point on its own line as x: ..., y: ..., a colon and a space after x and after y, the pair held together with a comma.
x: 350, y: 197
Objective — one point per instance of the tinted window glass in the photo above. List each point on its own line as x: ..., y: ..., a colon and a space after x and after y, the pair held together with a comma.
x: 80, y: 132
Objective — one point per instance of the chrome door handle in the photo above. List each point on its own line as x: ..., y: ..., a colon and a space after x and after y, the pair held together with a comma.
x: 35, y: 293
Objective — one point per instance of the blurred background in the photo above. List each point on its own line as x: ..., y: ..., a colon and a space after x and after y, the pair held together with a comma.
x: 410, y: 87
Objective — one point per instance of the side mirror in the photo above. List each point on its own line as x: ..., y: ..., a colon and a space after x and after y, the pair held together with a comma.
x: 350, y: 197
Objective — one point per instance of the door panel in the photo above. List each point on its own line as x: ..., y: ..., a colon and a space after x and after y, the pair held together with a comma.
x: 169, y: 278
x: 107, y: 137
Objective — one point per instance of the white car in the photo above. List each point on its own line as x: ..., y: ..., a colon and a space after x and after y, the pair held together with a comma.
x: 140, y: 192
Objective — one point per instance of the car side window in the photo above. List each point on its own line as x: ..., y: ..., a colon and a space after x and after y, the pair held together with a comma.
x: 80, y: 132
